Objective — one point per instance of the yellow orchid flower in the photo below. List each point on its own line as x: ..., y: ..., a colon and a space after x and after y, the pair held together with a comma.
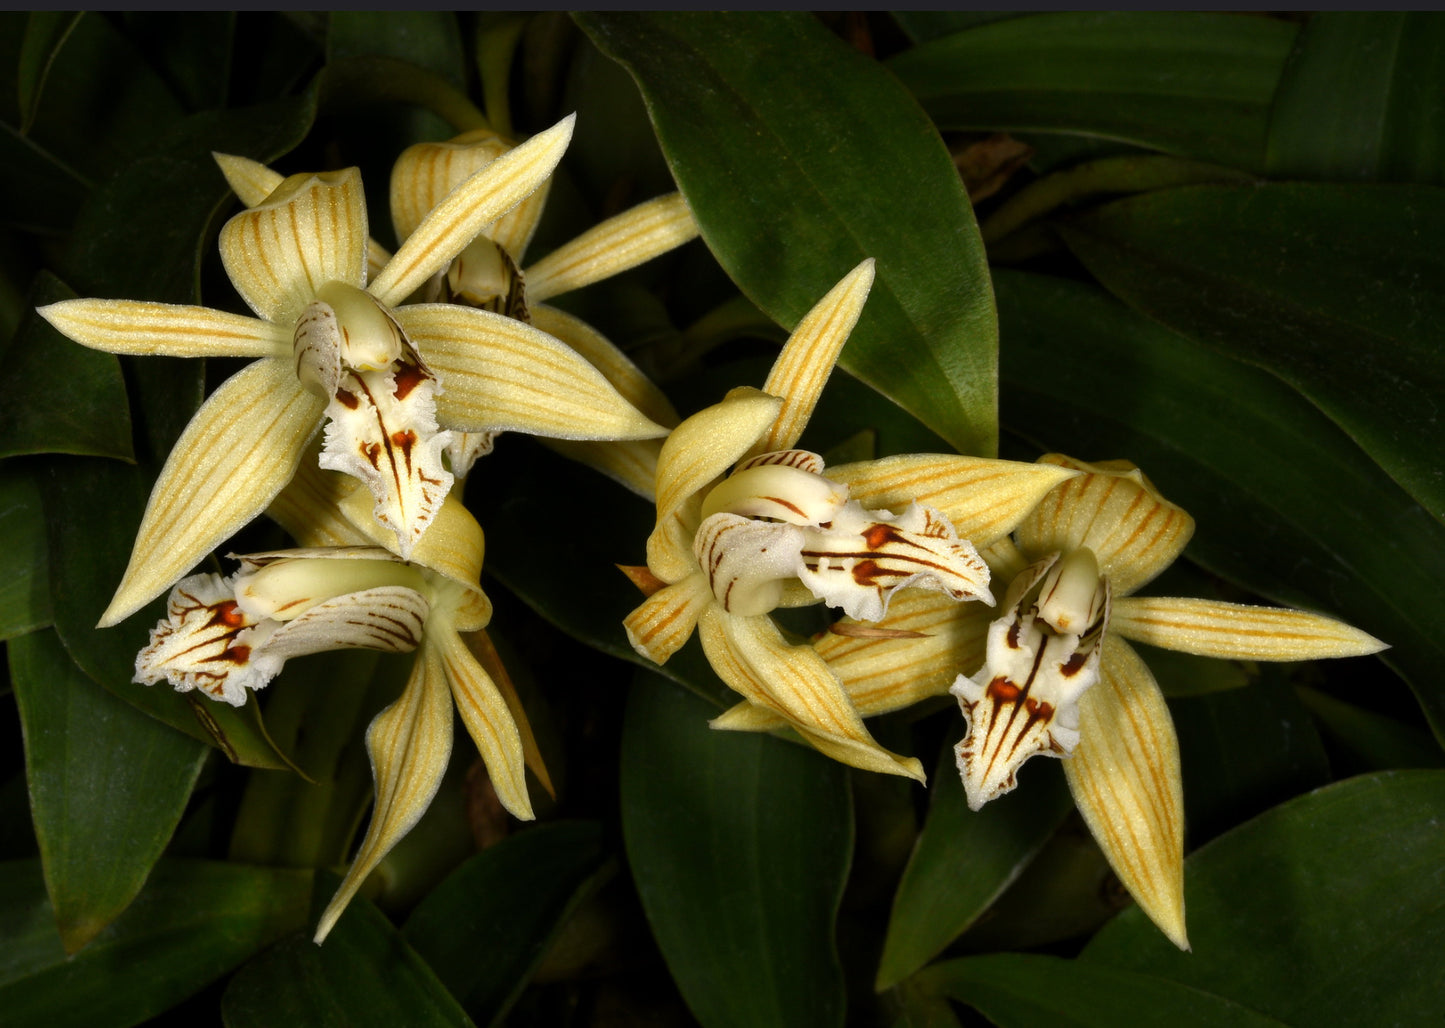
x: 330, y: 345
x: 228, y: 636
x: 730, y: 547
x: 487, y: 274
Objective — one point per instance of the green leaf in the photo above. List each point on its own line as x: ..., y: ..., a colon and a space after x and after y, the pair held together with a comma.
x: 427, y: 39
x: 1326, y: 910
x: 485, y: 929
x: 193, y: 53
x: 1025, y: 990
x: 739, y: 845
x: 57, y: 396
x: 1197, y: 85
x: 1307, y: 519
x: 45, y: 33
x: 1363, y: 97
x: 24, y: 564
x: 1335, y: 289
x: 1369, y: 741
x: 194, y: 921
x: 108, y: 786
x: 800, y: 157
x: 38, y: 192
x: 922, y: 26
x: 365, y: 974
x: 963, y: 860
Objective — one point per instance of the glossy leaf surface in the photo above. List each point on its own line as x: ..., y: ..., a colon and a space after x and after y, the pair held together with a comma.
x: 799, y: 158
x: 24, y: 567
x: 739, y: 845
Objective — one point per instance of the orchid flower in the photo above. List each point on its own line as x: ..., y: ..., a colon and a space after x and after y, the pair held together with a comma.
x: 230, y: 636
x: 729, y: 547
x: 487, y: 274
x: 330, y: 346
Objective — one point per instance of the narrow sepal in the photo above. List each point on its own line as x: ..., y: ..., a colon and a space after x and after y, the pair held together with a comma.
x: 1124, y: 775
x: 488, y: 720
x: 665, y: 620
x: 236, y: 454
x: 1234, y: 631
x: 171, y: 330
x: 250, y: 180
x: 625, y: 376
x: 621, y: 242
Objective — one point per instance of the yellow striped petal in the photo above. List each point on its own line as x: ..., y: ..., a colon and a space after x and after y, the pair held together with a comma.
x: 1234, y: 631
x: 603, y: 355
x: 665, y: 620
x: 468, y: 209
x: 751, y: 656
x: 807, y: 358
x: 237, y: 453
x: 984, y: 499
x: 481, y: 647
x: 1116, y: 512
x: 311, y: 230
x: 410, y: 743
x: 631, y: 238
x: 165, y: 329
x: 1124, y: 775
x: 488, y: 720
x: 250, y: 180
x: 308, y: 508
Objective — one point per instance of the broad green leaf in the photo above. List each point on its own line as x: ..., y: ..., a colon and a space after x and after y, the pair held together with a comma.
x: 963, y: 860
x: 24, y: 564
x: 488, y: 925
x: 922, y: 26
x: 194, y: 921
x: 1198, y: 85
x: 1284, y: 503
x: 91, y: 507
x: 800, y: 157
x: 57, y: 396
x: 365, y: 974
x: 427, y: 39
x: 193, y: 52
x: 1335, y: 289
x: 107, y: 786
x: 1326, y: 910
x: 739, y: 845
x: 1244, y: 750
x: 1369, y: 741
x: 45, y: 34
x: 1363, y: 97
x: 1026, y: 990
x: 38, y: 192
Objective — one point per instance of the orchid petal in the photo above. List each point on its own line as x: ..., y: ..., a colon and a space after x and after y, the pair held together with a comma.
x: 502, y: 375
x: 409, y: 743
x: 250, y: 180
x: 635, y: 387
x: 1233, y: 631
x: 171, y: 330
x: 237, y: 453
x: 665, y: 620
x: 807, y: 358
x: 984, y: 499
x: 1115, y: 511
x: 480, y: 645
x: 1124, y: 775
x: 197, y: 645
x: 307, y: 507
x: 426, y: 173
x: 750, y: 655
x: 468, y: 209
x: 488, y: 720
x: 310, y: 231
x: 747, y: 561
x: 631, y: 238
x: 388, y: 619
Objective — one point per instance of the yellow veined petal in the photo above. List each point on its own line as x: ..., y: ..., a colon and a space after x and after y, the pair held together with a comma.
x: 488, y: 720
x: 426, y: 173
x: 308, y: 507
x: 237, y: 453
x: 1124, y: 775
x: 481, y: 647
x: 1116, y: 512
x: 631, y: 238
x: 311, y: 230
x: 807, y: 358
x: 250, y: 180
x: 632, y: 463
x: 665, y: 620
x: 468, y: 209
x: 1234, y: 631
x: 172, y: 330
x: 984, y: 499
x: 603, y: 355
x: 410, y: 743
x: 669, y: 545
x: 499, y: 374
x: 751, y: 656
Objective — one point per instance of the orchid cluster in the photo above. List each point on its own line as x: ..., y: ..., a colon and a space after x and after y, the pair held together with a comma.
x: 1009, y: 585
